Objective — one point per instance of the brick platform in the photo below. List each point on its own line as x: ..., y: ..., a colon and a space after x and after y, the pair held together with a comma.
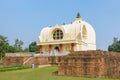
x: 91, y: 64
x: 13, y: 61
x: 82, y: 63
x: 10, y: 61
x: 40, y: 61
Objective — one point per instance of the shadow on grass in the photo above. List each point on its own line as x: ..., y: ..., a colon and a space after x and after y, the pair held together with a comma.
x: 55, y: 73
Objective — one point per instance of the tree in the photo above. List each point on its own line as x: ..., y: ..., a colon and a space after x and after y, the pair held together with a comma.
x: 11, y: 49
x: 26, y: 50
x: 33, y: 47
x: 115, y: 39
x: 115, y: 46
x: 3, y: 38
x: 18, y: 45
x: 3, y: 46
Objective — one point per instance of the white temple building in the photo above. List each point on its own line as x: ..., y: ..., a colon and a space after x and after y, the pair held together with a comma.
x: 76, y: 36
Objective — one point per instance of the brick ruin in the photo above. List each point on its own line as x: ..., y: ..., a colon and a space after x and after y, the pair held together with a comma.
x: 8, y: 61
x: 91, y: 64
x: 41, y: 61
x: 81, y: 63
x: 24, y: 60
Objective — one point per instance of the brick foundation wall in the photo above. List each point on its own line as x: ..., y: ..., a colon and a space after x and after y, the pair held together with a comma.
x: 91, y: 64
x: 13, y: 61
x: 82, y: 63
x: 54, y: 60
x: 40, y: 61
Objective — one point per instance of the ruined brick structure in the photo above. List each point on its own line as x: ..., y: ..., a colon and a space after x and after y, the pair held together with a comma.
x: 24, y: 60
x: 8, y: 61
x: 40, y: 61
x: 80, y: 63
x: 91, y: 64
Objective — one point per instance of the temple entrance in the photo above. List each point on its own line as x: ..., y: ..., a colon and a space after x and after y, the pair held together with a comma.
x: 56, y: 50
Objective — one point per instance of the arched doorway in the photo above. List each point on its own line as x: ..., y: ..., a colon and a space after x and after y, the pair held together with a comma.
x: 56, y: 50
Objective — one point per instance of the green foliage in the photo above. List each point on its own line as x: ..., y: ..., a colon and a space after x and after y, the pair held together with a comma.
x: 33, y: 47
x: 3, y: 46
x: 6, y: 48
x: 3, y: 69
x: 11, y: 49
x: 115, y: 39
x: 18, y: 45
x: 115, y: 46
x: 37, y: 52
x: 71, y: 51
x: 3, y: 38
x: 26, y: 50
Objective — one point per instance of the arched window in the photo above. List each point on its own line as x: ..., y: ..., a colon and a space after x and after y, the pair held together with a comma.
x: 58, y: 34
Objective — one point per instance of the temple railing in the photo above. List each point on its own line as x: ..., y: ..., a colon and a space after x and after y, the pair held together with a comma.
x: 47, y: 54
x: 17, y: 54
x: 33, y: 54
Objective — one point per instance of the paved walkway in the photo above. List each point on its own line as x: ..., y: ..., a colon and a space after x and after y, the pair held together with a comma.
x: 41, y: 66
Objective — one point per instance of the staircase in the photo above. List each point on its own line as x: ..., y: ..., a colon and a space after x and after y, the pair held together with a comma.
x: 28, y: 62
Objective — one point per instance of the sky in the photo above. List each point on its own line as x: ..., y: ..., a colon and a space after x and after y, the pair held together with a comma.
x: 24, y: 19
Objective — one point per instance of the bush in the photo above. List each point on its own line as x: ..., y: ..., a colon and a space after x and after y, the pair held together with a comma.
x: 3, y: 69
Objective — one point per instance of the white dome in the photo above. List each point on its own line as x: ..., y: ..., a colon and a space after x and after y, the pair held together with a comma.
x: 79, y: 31
x: 44, y: 35
x: 71, y: 31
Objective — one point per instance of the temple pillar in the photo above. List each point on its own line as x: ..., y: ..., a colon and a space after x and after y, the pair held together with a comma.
x: 40, y: 49
x: 50, y: 48
x: 60, y: 48
x: 72, y: 46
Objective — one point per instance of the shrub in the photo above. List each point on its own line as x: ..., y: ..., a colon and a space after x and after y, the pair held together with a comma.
x: 11, y: 68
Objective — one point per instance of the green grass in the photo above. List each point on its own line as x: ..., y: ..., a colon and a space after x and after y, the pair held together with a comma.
x: 13, y: 68
x: 41, y: 74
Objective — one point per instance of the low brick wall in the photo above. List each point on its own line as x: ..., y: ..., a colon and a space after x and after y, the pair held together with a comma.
x: 40, y: 61
x: 20, y: 60
x: 82, y: 63
x: 91, y: 64
x: 12, y: 61
x: 54, y: 60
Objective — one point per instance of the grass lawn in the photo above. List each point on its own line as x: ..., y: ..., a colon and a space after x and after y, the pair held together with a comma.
x: 45, y: 73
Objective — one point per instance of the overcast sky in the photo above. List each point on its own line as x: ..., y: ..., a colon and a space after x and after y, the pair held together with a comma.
x: 24, y: 19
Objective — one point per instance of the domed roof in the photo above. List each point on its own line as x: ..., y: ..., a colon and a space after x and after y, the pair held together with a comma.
x: 44, y: 33
x: 77, y: 30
